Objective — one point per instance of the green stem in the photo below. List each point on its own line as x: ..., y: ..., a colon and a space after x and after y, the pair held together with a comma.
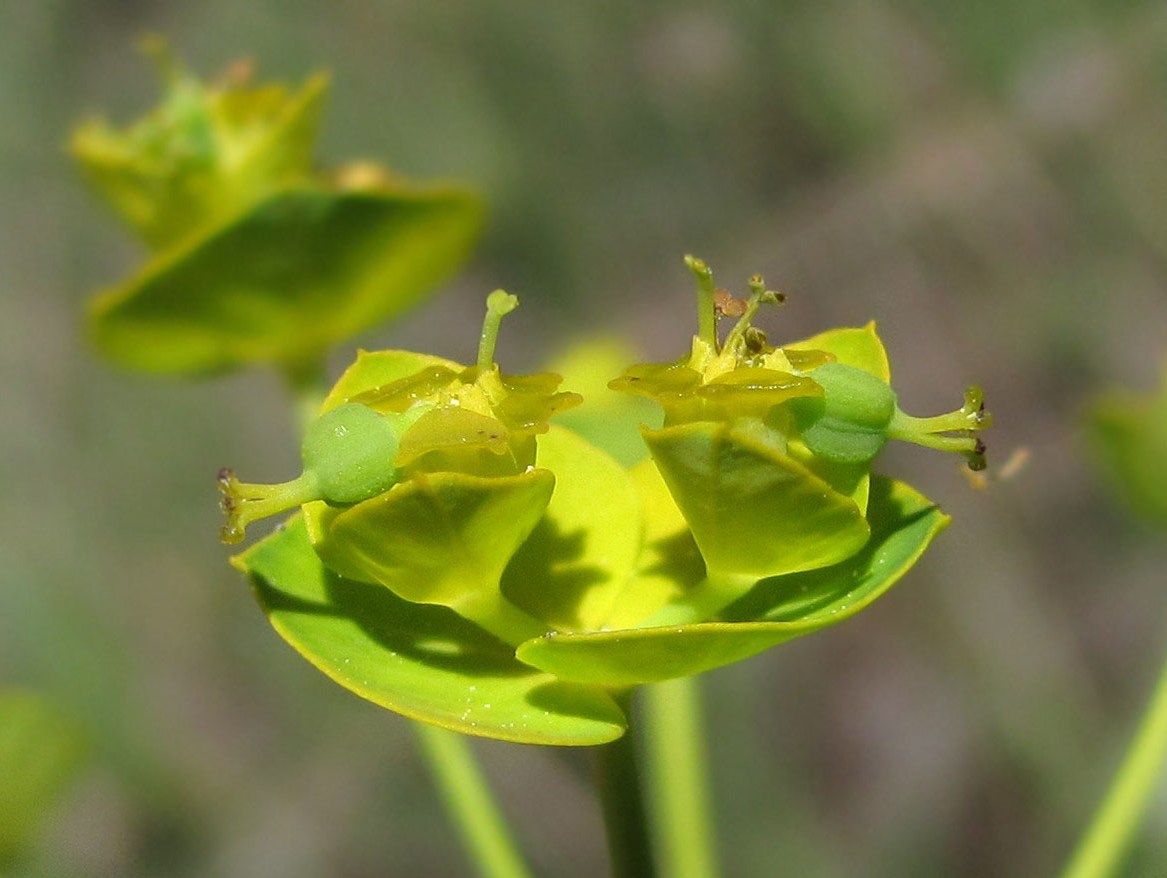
x: 679, y: 787
x: 451, y: 760
x: 618, y: 782
x: 307, y: 380
x: 467, y: 798
x: 1102, y: 847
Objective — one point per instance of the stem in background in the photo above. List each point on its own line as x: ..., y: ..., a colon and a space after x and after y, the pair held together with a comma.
x: 467, y: 798
x: 1101, y: 849
x: 460, y: 783
x: 618, y: 783
x: 675, y: 740
x: 307, y: 381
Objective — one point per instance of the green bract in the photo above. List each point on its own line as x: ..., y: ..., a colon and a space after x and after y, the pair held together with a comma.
x: 204, y: 153
x: 223, y: 176
x: 513, y: 577
x: 420, y: 475
x: 763, y: 440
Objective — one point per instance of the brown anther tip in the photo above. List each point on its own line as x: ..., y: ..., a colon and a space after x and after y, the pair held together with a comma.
x: 226, y: 474
x: 727, y: 305
x: 980, y: 448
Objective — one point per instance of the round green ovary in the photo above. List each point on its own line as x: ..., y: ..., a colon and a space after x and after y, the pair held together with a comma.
x: 848, y: 424
x: 350, y: 451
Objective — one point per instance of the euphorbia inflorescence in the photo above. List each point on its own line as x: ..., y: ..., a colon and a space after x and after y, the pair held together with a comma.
x: 839, y: 411
x: 440, y: 446
x: 756, y: 520
x: 767, y: 450
x: 469, y: 419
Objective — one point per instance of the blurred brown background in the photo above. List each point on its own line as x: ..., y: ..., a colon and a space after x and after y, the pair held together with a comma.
x: 988, y: 180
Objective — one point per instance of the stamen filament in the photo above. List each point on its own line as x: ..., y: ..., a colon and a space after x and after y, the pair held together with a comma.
x: 706, y: 310
x: 498, y: 305
x: 759, y: 295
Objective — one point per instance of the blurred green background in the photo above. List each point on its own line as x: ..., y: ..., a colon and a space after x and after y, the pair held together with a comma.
x: 987, y: 180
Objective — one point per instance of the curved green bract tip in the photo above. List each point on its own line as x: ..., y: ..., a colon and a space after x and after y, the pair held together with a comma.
x: 775, y: 610
x: 310, y: 266
x: 739, y: 490
x: 440, y: 538
x: 422, y: 661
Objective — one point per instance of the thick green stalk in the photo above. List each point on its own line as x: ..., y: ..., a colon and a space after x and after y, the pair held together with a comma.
x: 678, y: 783
x: 618, y: 782
x: 1101, y: 849
x: 467, y: 798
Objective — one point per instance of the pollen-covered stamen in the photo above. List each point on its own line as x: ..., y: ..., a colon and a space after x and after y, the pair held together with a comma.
x: 726, y: 305
x: 950, y: 432
x: 245, y: 502
x: 759, y: 296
